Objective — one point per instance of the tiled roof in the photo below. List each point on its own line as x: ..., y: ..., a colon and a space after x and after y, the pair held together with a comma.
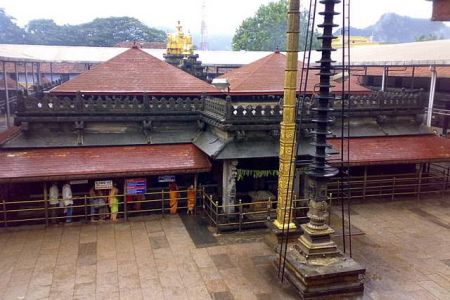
x: 266, y: 76
x: 393, y: 150
x: 441, y: 10
x: 12, y: 85
x: 442, y: 71
x: 100, y: 162
x: 9, y: 133
x: 135, y: 72
x: 57, y: 68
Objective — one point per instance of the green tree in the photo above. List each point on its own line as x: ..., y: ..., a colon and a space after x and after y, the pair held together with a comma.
x: 266, y: 31
x: 110, y: 31
x: 428, y: 37
x: 99, y: 32
x: 46, y: 32
x: 10, y: 33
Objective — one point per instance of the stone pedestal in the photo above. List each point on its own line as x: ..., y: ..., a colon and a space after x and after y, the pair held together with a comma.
x: 331, y: 276
x: 277, y: 236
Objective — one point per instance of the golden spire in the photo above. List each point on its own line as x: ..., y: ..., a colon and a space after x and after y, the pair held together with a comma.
x: 179, y: 43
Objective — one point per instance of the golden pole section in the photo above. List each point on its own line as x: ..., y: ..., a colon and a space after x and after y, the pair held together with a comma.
x: 288, y: 147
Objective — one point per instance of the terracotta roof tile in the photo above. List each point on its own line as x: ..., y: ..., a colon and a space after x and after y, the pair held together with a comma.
x: 97, y: 162
x: 12, y: 85
x: 9, y: 133
x: 266, y: 76
x: 135, y: 72
x: 57, y: 68
x: 393, y: 150
x: 441, y: 10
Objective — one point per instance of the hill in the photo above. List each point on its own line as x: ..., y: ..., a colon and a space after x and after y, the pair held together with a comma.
x: 393, y: 28
x: 99, y: 32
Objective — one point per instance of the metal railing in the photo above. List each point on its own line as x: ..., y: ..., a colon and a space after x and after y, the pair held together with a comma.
x: 435, y: 180
x: 247, y: 215
x: 41, y: 212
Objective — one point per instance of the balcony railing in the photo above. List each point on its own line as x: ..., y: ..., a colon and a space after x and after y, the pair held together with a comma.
x: 221, y: 110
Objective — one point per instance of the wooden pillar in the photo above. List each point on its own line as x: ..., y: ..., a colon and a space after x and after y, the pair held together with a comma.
x: 125, y: 203
x: 51, y: 73
x: 195, y: 189
x: 419, y: 183
x: 17, y: 76
x: 26, y: 76
x: 45, y: 203
x: 38, y: 71
x: 365, y: 183
x: 8, y: 109
x: 32, y: 73
x: 413, y: 77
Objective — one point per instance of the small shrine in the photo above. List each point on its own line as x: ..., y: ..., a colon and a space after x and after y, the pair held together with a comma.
x: 180, y: 53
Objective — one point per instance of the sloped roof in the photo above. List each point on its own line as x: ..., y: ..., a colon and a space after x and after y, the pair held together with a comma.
x: 56, y: 68
x: 266, y: 76
x: 135, y: 72
x: 12, y: 84
x: 100, y: 162
x: 393, y: 150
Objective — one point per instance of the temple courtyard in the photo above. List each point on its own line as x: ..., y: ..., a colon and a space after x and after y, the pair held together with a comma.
x: 404, y: 244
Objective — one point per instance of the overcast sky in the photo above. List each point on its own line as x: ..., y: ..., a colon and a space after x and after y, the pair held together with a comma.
x: 223, y: 16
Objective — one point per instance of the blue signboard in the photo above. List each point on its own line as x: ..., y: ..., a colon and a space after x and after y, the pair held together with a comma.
x: 166, y: 178
x: 136, y: 186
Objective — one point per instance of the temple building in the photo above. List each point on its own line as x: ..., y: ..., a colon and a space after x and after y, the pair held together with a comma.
x: 131, y: 116
x: 135, y: 115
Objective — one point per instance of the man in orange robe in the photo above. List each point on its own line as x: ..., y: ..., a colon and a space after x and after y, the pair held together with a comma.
x: 191, y: 199
x: 173, y: 197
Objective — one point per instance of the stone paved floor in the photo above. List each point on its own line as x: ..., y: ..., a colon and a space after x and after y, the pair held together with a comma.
x: 406, y: 247
x: 406, y: 250
x: 152, y: 259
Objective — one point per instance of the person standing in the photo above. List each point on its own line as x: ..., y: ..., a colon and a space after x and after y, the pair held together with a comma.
x: 68, y: 201
x: 191, y: 199
x: 173, y: 198
x: 93, y: 204
x: 102, y: 207
x: 54, y: 203
x: 113, y: 202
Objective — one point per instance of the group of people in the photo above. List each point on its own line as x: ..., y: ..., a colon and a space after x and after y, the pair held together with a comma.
x: 101, y: 200
x: 174, y: 196
x: 58, y: 204
x: 104, y: 203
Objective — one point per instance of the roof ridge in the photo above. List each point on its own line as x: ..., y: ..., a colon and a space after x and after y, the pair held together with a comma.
x: 259, y: 66
x: 136, y: 71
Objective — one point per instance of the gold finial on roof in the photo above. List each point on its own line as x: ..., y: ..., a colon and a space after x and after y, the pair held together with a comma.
x: 179, y: 43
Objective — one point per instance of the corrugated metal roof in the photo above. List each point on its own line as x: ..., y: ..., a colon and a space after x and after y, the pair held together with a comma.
x: 417, y: 53
x: 135, y: 72
x: 393, y: 150
x: 266, y: 76
x: 82, y: 54
x: 442, y: 71
x: 98, y: 162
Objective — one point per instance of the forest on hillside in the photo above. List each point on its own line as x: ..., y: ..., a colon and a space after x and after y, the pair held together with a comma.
x: 99, y: 32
